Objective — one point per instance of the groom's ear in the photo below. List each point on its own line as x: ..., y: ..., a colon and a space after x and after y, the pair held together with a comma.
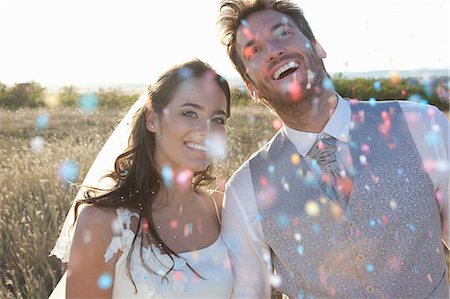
x: 251, y: 90
x: 150, y: 120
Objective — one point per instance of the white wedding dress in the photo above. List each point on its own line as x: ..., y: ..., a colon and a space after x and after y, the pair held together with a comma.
x: 211, y: 262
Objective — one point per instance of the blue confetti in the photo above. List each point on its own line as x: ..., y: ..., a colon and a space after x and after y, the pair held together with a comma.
x: 244, y: 23
x: 377, y: 85
x: 88, y: 102
x: 432, y: 138
x: 308, y: 45
x: 283, y: 220
x: 372, y: 101
x: 271, y: 168
x: 315, y: 228
x: 166, y: 173
x: 370, y: 267
x: 300, y: 249
x: 372, y: 222
x: 411, y: 227
x: 104, y: 282
x: 42, y: 121
x: 185, y: 72
x: 68, y: 171
x: 400, y: 172
x: 327, y: 84
x: 259, y: 217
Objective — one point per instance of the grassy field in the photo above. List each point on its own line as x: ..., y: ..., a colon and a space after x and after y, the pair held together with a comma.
x: 33, y: 202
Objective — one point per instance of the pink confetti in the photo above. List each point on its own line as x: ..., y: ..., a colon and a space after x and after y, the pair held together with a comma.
x: 430, y: 280
x: 384, y: 218
x: 184, y: 179
x: 429, y: 165
x: 365, y: 149
x: 431, y: 112
x: 145, y: 225
x: 276, y: 124
x: 248, y: 34
x: 295, y: 90
x: 439, y: 197
x: 178, y: 275
x: 173, y: 224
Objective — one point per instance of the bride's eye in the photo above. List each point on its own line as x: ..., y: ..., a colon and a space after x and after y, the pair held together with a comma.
x: 190, y: 114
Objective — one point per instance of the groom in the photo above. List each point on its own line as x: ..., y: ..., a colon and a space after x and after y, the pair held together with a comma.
x: 349, y: 199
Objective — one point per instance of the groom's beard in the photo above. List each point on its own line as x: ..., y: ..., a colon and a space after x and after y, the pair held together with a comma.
x: 287, y: 102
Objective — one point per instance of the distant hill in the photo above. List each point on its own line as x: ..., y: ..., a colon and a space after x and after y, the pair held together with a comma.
x: 401, y: 73
x: 236, y: 82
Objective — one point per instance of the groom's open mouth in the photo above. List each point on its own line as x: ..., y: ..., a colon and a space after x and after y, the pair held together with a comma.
x: 285, y: 70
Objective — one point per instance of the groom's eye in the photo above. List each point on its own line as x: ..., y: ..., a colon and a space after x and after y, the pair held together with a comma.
x: 250, y: 51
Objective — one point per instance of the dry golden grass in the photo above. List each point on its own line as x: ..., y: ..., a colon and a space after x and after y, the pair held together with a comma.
x: 33, y: 202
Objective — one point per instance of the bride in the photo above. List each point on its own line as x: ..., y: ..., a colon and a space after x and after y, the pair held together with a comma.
x: 150, y: 228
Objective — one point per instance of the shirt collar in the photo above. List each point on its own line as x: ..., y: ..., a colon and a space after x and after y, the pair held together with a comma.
x: 338, y: 126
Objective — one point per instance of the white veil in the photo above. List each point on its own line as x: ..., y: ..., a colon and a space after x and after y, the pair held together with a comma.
x: 103, y: 164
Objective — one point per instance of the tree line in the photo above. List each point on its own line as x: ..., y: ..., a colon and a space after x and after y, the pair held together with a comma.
x: 434, y: 91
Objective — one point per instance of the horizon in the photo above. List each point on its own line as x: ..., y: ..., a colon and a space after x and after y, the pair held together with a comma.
x: 103, y: 42
x: 237, y: 82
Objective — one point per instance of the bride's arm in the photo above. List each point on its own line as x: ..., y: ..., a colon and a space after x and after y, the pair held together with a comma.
x: 88, y: 275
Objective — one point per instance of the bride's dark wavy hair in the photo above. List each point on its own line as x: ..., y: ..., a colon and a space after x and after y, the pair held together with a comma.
x: 136, y: 175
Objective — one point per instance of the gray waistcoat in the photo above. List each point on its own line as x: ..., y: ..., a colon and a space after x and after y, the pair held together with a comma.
x: 384, y: 243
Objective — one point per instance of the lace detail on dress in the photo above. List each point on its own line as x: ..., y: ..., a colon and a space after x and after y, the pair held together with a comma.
x: 177, y: 279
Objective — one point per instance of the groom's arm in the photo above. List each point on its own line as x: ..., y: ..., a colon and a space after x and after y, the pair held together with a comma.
x: 242, y: 232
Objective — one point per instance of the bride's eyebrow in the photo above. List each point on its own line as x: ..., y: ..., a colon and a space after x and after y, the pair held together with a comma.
x: 196, y: 106
x: 200, y: 107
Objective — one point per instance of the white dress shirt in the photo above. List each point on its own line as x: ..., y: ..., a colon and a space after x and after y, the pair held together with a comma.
x: 241, y: 226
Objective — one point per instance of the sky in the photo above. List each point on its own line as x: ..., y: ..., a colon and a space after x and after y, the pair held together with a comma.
x: 107, y: 42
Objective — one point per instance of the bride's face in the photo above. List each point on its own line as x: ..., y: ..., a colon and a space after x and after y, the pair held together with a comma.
x: 190, y: 131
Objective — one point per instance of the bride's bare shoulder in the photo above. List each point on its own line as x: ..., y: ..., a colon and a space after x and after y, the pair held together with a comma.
x: 97, y: 219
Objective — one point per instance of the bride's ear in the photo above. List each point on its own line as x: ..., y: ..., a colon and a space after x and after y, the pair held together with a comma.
x: 150, y: 120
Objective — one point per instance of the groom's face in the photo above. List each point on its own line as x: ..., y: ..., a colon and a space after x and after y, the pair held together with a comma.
x: 280, y: 61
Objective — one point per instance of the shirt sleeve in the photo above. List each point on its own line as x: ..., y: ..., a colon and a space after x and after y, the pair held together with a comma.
x: 429, y: 128
x: 242, y: 232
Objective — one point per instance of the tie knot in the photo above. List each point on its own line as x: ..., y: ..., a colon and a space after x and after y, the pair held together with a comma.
x: 324, y: 151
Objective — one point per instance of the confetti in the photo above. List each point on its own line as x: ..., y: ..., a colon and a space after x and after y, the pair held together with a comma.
x: 184, y: 179
x: 173, y: 224
x: 327, y: 84
x: 393, y: 204
x: 295, y: 159
x: 365, y: 149
x: 276, y: 124
x: 167, y: 174
x: 363, y: 160
x: 312, y: 208
x: 105, y: 281
x: 275, y: 280
x: 185, y: 72
x: 394, y: 77
x: 377, y: 85
x: 187, y: 230
x: 88, y: 103
x: 295, y: 89
x: 42, y: 121
x: 37, y: 144
x: 216, y: 145
x: 68, y: 171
